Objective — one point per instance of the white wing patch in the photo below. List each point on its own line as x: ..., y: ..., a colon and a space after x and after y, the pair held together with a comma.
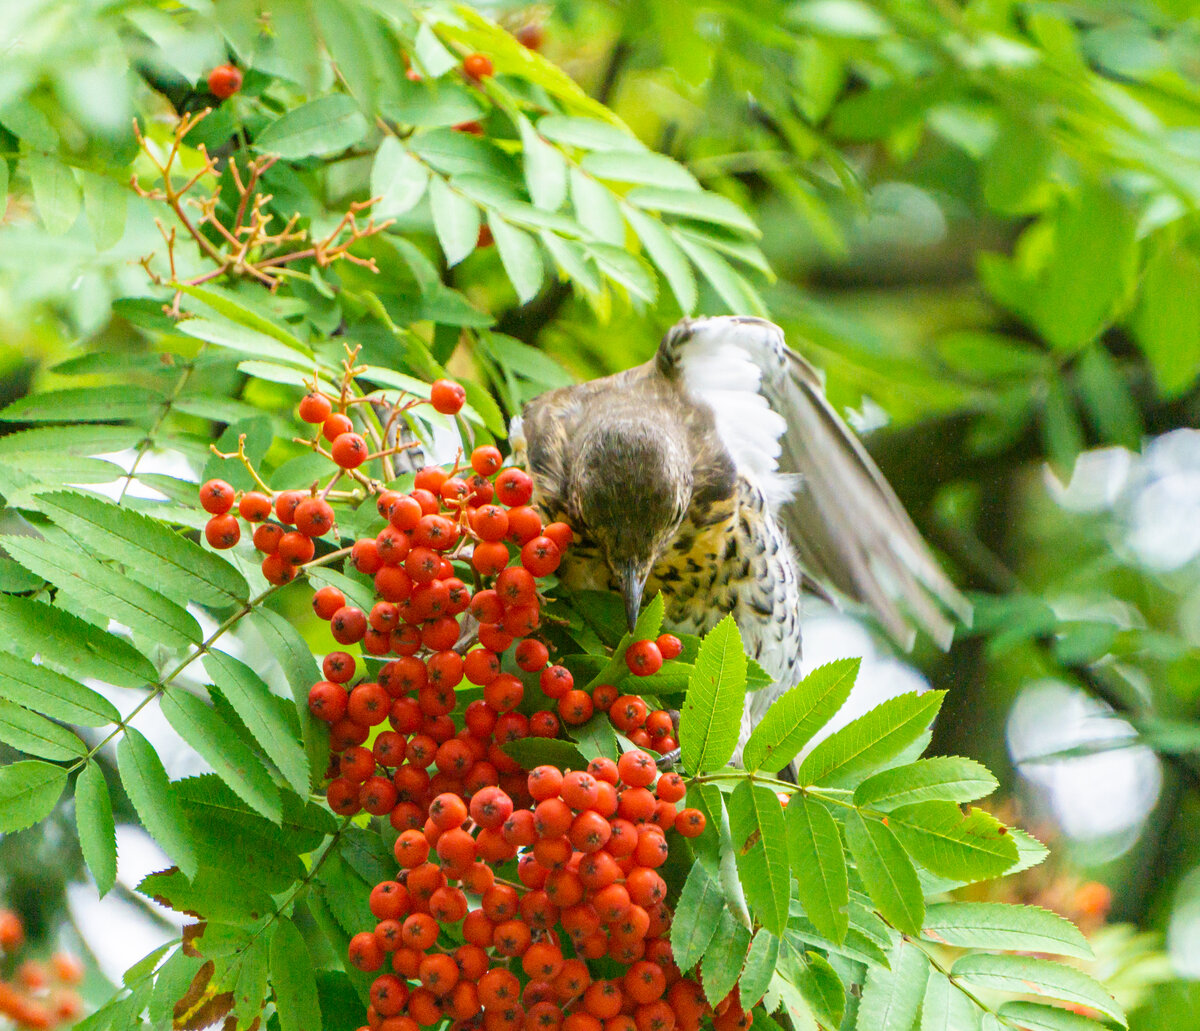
x: 719, y: 365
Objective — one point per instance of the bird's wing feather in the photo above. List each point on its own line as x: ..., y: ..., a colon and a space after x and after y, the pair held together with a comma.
x: 844, y: 520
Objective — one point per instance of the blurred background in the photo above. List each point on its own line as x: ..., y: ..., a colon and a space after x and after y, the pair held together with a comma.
x: 979, y: 219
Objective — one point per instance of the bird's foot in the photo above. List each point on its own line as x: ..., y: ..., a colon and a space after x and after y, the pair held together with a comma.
x: 668, y: 760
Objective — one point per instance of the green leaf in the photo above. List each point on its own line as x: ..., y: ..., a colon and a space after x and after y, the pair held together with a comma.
x: 292, y: 979
x: 539, y: 751
x: 455, y: 220
x: 356, y: 592
x: 944, y: 841
x: 1027, y: 975
x: 667, y: 256
x: 738, y: 295
x: 700, y: 906
x: 84, y: 404
x: 153, y: 796
x: 520, y: 256
x: 644, y: 167
x: 711, y: 716
x: 545, y: 169
x: 892, y: 998
x: 97, y: 830
x: 52, y: 694
x: 650, y: 620
x: 35, y: 735
x: 761, y: 842
x: 70, y: 644
x: 819, y: 864
x: 103, y: 589
x: 1037, y: 1017
x: 178, y: 567
x: 946, y: 777
x: 1166, y: 322
x: 29, y: 790
x: 886, y: 872
x: 398, y: 179
x: 55, y: 192
x: 795, y: 716
x: 871, y: 740
x: 946, y: 1008
x: 704, y: 207
x: 237, y: 308
x: 588, y: 133
x: 626, y: 269
x: 258, y: 709
x: 322, y: 126
x: 104, y: 203
x: 822, y: 989
x: 1107, y: 398
x: 723, y: 959
x: 995, y: 925
x: 217, y: 742
x: 761, y: 961
x: 250, y: 342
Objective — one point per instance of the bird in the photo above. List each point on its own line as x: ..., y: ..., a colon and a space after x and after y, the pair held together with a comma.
x: 718, y: 474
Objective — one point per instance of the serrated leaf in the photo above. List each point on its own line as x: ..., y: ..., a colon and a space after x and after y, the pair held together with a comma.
x: 545, y: 169
x: 455, y: 220
x: 946, y: 1008
x: 253, y: 702
x: 84, y: 404
x: 538, y: 751
x: 520, y: 256
x: 795, y: 716
x: 892, y: 998
x: 699, y: 205
x: 153, y: 796
x: 700, y: 905
x: 250, y: 989
x: 626, y: 269
x: 819, y: 864
x: 723, y: 959
x: 947, y: 777
x: 103, y: 589
x: 822, y: 989
x: 398, y: 179
x: 596, y: 209
x: 238, y: 309
x: 711, y: 716
x: 572, y: 262
x: 70, y: 644
x: 886, y: 872
x: 944, y: 841
x: 292, y: 979
x: 29, y: 790
x: 1030, y: 976
x: 96, y: 827
x: 35, y: 735
x: 1037, y: 1017
x: 322, y: 126
x: 52, y: 694
x: 760, y: 843
x: 995, y: 925
x: 217, y: 742
x: 650, y: 619
x: 761, y: 961
x: 739, y: 296
x: 644, y: 167
x: 179, y: 568
x: 667, y: 257
x: 251, y: 342
x: 871, y: 740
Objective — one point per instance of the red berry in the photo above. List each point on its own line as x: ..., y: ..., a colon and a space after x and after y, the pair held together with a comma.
x: 327, y: 701
x: 314, y: 517
x: 223, y: 531
x: 636, y: 769
x: 315, y: 408
x: 335, y: 426
x: 216, y: 497
x: 514, y: 487
x: 669, y: 646
x: 254, y: 507
x: 349, y: 450
x: 338, y: 667
x: 224, y: 81
x: 327, y: 601
x: 532, y: 655
x: 643, y: 658
x: 486, y: 460
x: 531, y: 36
x: 690, y: 823
x: 285, y: 505
x: 477, y: 66
x: 348, y: 625
x: 446, y: 396
x: 540, y: 556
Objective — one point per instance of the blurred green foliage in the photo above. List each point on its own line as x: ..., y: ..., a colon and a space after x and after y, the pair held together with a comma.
x: 978, y: 218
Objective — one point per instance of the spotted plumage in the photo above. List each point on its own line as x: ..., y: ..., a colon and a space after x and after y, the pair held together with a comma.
x: 670, y: 475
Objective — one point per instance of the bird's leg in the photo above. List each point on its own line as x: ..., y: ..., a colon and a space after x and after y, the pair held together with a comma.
x: 674, y: 755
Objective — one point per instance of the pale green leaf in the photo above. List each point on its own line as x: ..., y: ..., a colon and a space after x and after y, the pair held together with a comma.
x: 886, y: 872
x: 247, y: 341
x: 821, y: 989
x: 29, y: 790
x: 520, y: 256
x: 996, y: 925
x: 738, y: 295
x: 891, y: 999
x: 667, y: 256
x: 455, y: 220
x: 104, y: 203
x: 700, y: 905
x: 946, y: 777
x: 761, y: 961
x: 35, y: 735
x: 322, y: 126
x: 701, y: 206
x: 55, y: 192
x: 398, y: 179
x: 795, y: 716
x: 627, y: 269
x: 545, y: 169
x: 596, y: 209
x: 711, y: 715
x: 61, y: 698
x: 587, y: 133
x: 946, y: 1008
x: 153, y: 796
x: 1166, y: 322
x: 84, y: 404
x: 643, y: 167
x: 819, y: 864
x: 723, y: 959
x: 871, y: 740
x: 97, y: 830
x: 239, y: 309
x: 1036, y: 1017
x: 1029, y: 976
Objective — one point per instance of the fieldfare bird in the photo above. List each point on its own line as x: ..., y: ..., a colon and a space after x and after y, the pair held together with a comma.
x: 719, y: 474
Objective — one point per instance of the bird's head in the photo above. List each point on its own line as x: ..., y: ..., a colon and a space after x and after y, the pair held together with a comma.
x: 629, y: 489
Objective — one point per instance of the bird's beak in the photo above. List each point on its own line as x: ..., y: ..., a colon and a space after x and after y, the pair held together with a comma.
x: 633, y: 582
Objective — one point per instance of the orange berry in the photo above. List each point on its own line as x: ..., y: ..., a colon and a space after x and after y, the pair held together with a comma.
x: 477, y: 66
x: 315, y: 408
x: 446, y: 396
x: 224, y: 81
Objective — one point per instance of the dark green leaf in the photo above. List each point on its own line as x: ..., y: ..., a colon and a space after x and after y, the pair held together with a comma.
x: 153, y: 796
x: 892, y: 998
x: 700, y: 906
x: 94, y: 822
x: 84, y: 404
x: 724, y: 956
x: 29, y: 790
x: 292, y: 979
x: 538, y: 751
x: 822, y: 989
x: 761, y: 841
x: 711, y: 716
x: 761, y: 961
x: 819, y: 864
x: 795, y: 716
x: 886, y: 872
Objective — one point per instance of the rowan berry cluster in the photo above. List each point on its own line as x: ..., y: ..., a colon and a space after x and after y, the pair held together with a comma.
x: 588, y: 845
x: 41, y: 995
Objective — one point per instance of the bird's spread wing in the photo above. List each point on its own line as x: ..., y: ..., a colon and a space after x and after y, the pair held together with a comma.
x: 844, y: 520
